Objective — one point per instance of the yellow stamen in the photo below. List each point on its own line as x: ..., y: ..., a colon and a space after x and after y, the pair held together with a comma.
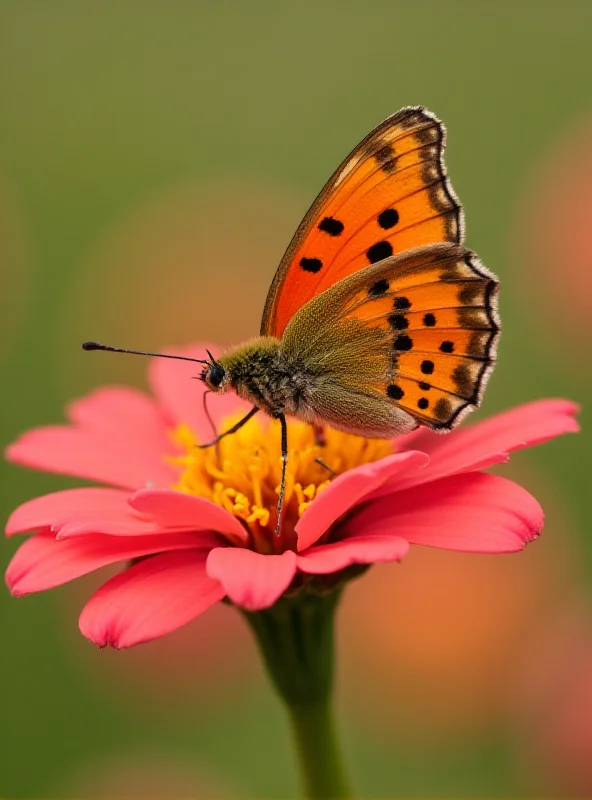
x: 242, y: 473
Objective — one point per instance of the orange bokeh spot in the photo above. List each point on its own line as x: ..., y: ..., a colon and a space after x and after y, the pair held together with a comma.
x: 554, y: 237
x: 147, y: 776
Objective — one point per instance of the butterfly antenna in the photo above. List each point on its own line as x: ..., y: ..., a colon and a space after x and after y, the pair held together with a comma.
x: 97, y: 346
x: 211, y: 357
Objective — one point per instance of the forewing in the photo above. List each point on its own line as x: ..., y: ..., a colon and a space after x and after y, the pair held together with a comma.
x: 390, y: 194
x: 417, y: 330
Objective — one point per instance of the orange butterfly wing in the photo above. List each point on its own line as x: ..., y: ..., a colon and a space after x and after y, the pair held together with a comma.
x: 389, y: 195
x: 442, y: 318
x: 417, y: 331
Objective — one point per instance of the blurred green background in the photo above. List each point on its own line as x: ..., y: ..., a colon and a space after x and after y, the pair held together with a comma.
x: 155, y: 159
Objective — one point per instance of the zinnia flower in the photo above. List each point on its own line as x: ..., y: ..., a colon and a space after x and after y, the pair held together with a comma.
x: 193, y: 526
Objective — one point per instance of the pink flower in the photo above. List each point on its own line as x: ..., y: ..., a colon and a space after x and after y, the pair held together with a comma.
x: 193, y: 526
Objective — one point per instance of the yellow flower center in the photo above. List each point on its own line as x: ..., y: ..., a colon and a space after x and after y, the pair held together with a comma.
x: 242, y: 472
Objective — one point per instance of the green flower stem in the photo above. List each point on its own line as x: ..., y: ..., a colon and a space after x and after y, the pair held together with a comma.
x: 295, y: 637
x: 318, y: 751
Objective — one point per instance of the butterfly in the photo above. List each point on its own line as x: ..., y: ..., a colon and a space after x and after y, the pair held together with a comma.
x: 378, y: 319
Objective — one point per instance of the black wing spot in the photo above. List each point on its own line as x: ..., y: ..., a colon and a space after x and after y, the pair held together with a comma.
x: 395, y: 392
x: 427, y: 367
x: 403, y: 342
x: 311, y: 264
x: 429, y: 320
x: 398, y: 322
x: 379, y: 251
x: 447, y: 347
x: 423, y: 403
x: 425, y: 387
x: 331, y: 226
x: 388, y: 218
x: 402, y: 303
x: 379, y: 288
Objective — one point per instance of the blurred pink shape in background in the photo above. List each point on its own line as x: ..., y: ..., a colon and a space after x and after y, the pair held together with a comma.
x: 554, y: 238
x: 552, y: 699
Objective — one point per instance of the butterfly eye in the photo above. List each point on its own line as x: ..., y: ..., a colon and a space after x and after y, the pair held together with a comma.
x: 214, y: 376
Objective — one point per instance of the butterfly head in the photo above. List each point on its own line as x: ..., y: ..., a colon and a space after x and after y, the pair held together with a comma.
x: 214, y: 375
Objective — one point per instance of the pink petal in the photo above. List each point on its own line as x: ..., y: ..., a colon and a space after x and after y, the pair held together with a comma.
x: 42, y: 562
x: 250, y: 579
x: 182, y: 397
x: 118, y: 524
x: 150, y: 599
x: 50, y: 510
x: 171, y: 509
x: 368, y: 549
x: 109, y: 514
x: 80, y: 512
x: 474, y: 513
x: 118, y: 437
x: 479, y: 446
x: 350, y: 488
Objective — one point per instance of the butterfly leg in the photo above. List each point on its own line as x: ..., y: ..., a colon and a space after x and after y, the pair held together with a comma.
x: 234, y: 428
x: 206, y: 411
x: 280, y: 505
x: 322, y: 464
x: 321, y: 441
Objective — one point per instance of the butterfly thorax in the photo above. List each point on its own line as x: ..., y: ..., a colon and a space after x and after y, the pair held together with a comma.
x: 260, y: 372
